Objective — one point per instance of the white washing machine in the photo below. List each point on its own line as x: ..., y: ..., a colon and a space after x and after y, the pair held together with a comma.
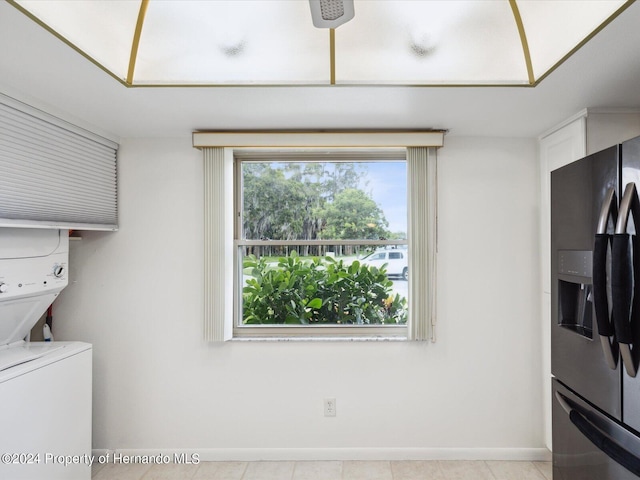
x: 45, y: 387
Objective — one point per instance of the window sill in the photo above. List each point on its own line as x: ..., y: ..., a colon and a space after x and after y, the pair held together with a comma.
x: 320, y: 339
x: 324, y: 333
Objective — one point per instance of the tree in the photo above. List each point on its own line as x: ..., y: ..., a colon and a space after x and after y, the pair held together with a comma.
x: 353, y: 215
x: 307, y: 201
x: 270, y: 203
x: 345, y: 175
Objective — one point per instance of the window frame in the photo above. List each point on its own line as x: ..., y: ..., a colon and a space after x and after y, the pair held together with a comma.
x: 315, y: 332
x: 217, y: 147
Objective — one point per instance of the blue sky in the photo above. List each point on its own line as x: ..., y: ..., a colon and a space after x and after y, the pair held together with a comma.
x: 388, y: 187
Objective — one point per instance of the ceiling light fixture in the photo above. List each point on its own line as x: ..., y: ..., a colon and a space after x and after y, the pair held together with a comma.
x: 331, y: 13
x: 421, y: 44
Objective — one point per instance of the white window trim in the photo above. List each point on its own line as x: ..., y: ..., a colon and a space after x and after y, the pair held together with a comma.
x: 220, y: 295
x: 305, y: 139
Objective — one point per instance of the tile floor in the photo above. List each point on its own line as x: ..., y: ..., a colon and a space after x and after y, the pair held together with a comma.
x: 330, y: 470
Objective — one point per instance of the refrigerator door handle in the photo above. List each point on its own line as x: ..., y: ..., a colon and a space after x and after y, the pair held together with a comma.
x: 600, y: 439
x: 622, y: 277
x: 600, y: 301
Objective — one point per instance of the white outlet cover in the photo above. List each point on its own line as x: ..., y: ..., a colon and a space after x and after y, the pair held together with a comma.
x: 329, y: 407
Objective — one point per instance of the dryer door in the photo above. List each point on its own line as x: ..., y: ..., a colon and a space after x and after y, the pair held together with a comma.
x: 18, y: 316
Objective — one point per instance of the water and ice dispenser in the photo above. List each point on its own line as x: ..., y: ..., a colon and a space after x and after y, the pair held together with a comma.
x: 575, y: 297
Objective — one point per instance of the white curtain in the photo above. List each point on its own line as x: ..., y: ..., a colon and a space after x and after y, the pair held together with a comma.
x: 218, y: 253
x: 423, y: 234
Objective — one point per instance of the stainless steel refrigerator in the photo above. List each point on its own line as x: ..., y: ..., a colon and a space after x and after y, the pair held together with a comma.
x: 595, y: 330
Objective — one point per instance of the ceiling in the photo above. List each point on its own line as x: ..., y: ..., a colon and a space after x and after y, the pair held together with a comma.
x: 276, y: 42
x: 39, y: 68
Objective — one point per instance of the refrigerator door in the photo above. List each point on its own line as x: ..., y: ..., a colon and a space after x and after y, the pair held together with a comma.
x: 631, y: 385
x: 625, y: 267
x: 587, y: 445
x: 578, y: 193
x: 601, y: 274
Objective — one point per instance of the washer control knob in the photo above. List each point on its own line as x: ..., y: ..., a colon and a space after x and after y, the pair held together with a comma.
x: 3, y: 287
x: 58, y: 271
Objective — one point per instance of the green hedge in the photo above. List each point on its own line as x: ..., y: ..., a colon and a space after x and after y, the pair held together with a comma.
x: 318, y: 291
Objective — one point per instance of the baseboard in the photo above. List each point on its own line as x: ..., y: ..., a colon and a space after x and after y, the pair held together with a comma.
x: 302, y: 454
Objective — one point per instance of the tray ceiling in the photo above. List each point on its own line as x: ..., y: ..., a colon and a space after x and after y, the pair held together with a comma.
x: 145, y: 43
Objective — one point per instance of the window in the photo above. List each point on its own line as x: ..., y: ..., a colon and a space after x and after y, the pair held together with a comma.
x: 317, y: 243
x: 224, y: 152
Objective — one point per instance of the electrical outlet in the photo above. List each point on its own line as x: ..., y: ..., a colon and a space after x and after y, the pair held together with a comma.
x: 329, y: 407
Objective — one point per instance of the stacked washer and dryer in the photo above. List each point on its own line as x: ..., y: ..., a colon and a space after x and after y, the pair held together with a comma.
x: 45, y: 387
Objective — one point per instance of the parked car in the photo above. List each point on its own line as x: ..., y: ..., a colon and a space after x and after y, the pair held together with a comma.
x: 396, y: 261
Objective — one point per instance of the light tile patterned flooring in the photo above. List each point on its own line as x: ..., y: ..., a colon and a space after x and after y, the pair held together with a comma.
x: 330, y: 470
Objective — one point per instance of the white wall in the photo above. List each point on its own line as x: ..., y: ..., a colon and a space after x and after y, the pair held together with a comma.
x: 137, y: 296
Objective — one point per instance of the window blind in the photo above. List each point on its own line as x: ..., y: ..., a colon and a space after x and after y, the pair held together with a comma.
x: 423, y: 195
x: 218, y: 255
x: 53, y: 174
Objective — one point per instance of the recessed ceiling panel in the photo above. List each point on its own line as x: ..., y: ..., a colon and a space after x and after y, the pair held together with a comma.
x: 231, y: 42
x: 103, y: 30
x: 430, y: 42
x: 555, y: 27
x: 274, y: 42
